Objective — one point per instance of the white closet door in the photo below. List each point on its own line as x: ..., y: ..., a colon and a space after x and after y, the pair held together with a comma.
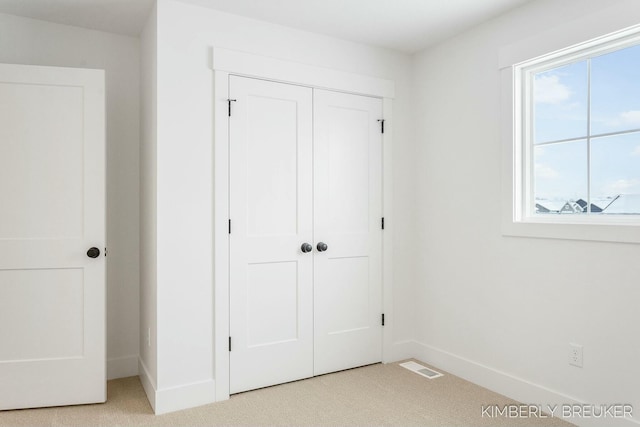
x: 347, y: 218
x: 52, y: 184
x: 271, y: 279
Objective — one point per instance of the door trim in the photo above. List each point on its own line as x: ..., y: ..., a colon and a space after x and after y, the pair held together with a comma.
x: 262, y: 67
x: 227, y: 62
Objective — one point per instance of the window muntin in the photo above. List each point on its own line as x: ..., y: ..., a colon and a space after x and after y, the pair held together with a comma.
x: 581, y: 122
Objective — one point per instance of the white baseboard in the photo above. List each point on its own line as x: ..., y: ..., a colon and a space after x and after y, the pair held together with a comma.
x: 122, y: 367
x: 501, y: 382
x: 202, y: 393
x: 176, y: 398
x: 185, y: 396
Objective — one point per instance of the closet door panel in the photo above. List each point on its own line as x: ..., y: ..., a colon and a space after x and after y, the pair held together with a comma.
x: 271, y: 279
x: 347, y: 218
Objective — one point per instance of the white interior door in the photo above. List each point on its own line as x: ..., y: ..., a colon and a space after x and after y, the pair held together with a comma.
x: 52, y: 210
x: 347, y: 218
x: 271, y: 295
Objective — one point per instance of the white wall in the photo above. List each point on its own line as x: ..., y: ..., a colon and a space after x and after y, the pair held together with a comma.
x: 498, y: 310
x: 186, y: 35
x: 148, y: 205
x: 502, y: 310
x: 27, y: 41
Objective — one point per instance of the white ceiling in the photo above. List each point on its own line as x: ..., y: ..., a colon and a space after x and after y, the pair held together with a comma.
x: 405, y: 25
x: 115, y: 16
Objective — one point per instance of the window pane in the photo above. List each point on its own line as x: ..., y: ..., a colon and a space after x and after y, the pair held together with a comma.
x: 615, y: 91
x: 560, y: 103
x: 615, y: 174
x: 560, y: 177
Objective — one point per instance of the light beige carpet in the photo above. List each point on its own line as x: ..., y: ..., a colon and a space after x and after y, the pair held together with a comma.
x: 376, y: 395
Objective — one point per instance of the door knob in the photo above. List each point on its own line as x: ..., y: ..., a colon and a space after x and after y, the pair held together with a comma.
x: 93, y: 253
x: 322, y: 247
x: 306, y: 248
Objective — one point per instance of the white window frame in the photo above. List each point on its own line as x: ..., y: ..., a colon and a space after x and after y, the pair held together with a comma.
x: 519, y: 218
x: 523, y: 78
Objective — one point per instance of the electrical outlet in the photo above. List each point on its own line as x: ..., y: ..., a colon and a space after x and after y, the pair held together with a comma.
x: 149, y: 337
x: 575, y: 355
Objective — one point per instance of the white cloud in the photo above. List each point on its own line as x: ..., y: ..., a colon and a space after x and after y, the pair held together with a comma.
x: 626, y: 118
x: 622, y: 186
x: 630, y: 117
x: 549, y: 90
x: 636, y: 152
x: 545, y: 171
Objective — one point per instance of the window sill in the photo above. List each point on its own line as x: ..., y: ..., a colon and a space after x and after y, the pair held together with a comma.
x: 596, y: 232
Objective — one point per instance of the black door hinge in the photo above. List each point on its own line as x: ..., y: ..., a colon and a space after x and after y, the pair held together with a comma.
x: 383, y: 223
x: 229, y: 226
x: 229, y: 343
x: 382, y: 319
x: 229, y: 101
x: 381, y: 125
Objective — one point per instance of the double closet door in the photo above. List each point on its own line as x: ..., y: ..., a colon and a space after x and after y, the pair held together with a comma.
x: 305, y: 232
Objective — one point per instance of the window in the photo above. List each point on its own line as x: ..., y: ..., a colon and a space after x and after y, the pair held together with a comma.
x: 578, y: 127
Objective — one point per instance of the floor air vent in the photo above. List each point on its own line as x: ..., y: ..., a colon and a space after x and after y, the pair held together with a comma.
x: 421, y: 370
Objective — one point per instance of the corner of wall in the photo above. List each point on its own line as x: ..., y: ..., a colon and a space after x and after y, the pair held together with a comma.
x: 148, y: 207
x: 122, y: 367
x: 175, y: 398
x: 184, y: 396
x: 148, y: 384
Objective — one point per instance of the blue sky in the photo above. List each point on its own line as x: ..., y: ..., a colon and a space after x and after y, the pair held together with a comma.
x: 560, y: 112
